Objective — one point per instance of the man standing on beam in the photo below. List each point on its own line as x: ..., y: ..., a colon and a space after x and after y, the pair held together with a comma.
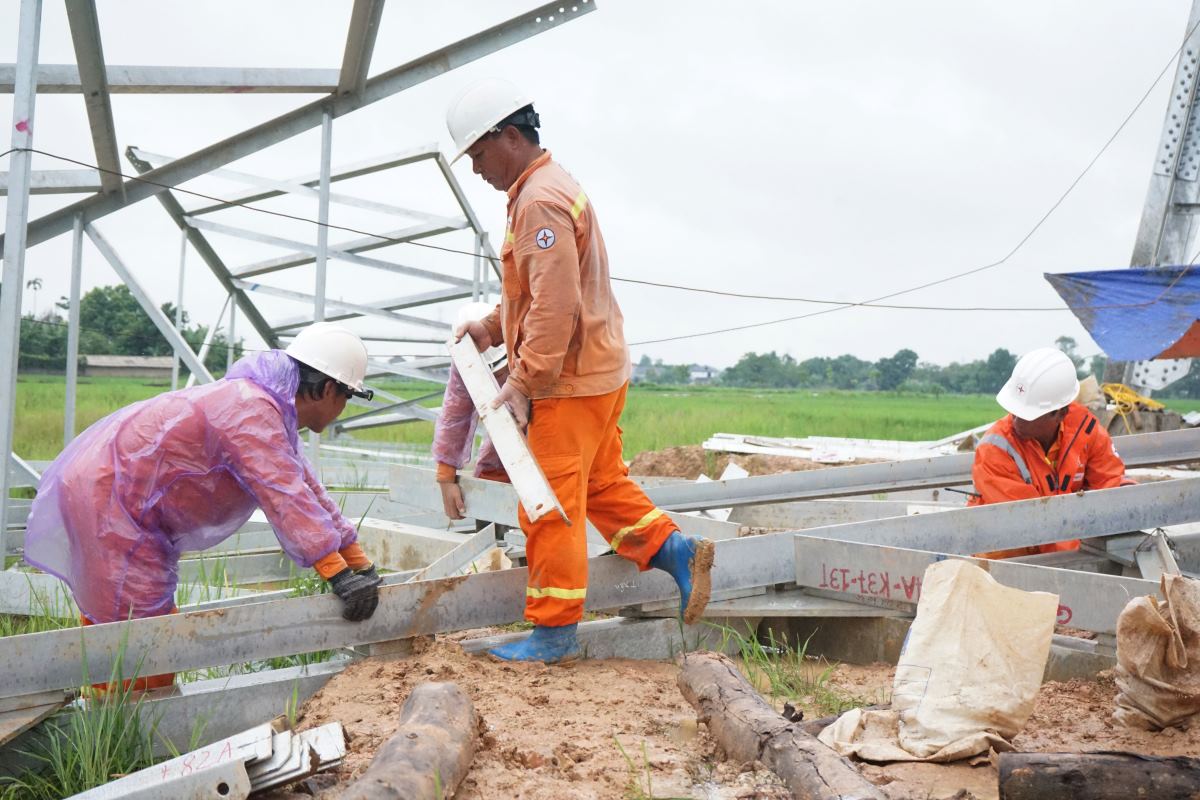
x: 568, y: 375
x: 184, y: 470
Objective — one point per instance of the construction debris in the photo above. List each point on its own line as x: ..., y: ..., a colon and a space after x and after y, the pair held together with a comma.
x: 1097, y: 776
x: 261, y: 758
x: 431, y: 752
x: 748, y: 729
x: 839, y: 450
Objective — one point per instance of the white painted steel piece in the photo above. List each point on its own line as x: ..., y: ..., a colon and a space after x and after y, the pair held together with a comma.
x: 526, y: 475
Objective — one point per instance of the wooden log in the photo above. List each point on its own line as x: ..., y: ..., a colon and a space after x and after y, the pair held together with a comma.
x: 431, y: 752
x: 1098, y: 776
x: 748, y: 729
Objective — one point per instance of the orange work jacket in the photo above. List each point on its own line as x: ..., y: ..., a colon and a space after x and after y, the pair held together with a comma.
x: 558, y: 317
x: 1008, y: 467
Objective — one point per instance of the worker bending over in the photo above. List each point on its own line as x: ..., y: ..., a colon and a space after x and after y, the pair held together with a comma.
x: 568, y: 375
x: 184, y: 470
x: 454, y: 431
x: 1048, y: 444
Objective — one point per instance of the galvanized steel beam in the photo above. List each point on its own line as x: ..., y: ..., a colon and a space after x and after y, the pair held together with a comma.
x: 58, y: 181
x: 872, y: 573
x: 173, y: 336
x: 360, y: 44
x: 209, y: 256
x: 125, y: 79
x: 314, y: 250
x: 89, y: 55
x: 1025, y: 523
x: 16, y: 216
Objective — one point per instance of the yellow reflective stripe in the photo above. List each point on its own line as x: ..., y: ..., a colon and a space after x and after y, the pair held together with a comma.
x: 615, y: 542
x: 580, y: 205
x: 508, y: 236
x: 561, y: 594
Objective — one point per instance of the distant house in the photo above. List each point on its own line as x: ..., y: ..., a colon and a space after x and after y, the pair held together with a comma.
x: 698, y: 373
x: 127, y: 366
x: 640, y: 373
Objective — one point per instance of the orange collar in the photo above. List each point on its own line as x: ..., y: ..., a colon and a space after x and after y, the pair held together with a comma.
x: 537, y: 164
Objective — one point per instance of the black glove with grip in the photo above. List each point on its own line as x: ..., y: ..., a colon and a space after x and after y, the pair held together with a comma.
x: 359, y: 592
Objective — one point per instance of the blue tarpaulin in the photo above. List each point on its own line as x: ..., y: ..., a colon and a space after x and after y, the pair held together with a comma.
x: 1136, y: 314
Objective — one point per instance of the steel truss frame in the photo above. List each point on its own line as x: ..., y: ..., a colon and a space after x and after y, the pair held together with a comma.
x: 346, y: 90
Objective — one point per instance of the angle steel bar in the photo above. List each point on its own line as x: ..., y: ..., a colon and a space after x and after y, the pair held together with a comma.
x: 209, y: 337
x: 58, y: 181
x: 537, y: 20
x: 123, y: 79
x: 492, y: 501
x: 360, y: 44
x: 465, y: 205
x: 814, y: 513
x: 354, y: 246
x: 283, y: 327
x: 73, y: 332
x: 309, y: 180
x: 315, y: 250
x: 25, y: 470
x: 89, y: 55
x: 1088, y: 601
x: 375, y: 367
x: 166, y: 780
x: 225, y: 781
x: 173, y: 336
x: 277, y: 188
x: 1032, y: 522
x: 208, y: 255
x: 528, y: 481
x: 237, y: 569
x: 177, y: 642
x: 16, y: 217
x: 1138, y: 450
x: 362, y: 310
x: 460, y: 557
x: 322, y: 251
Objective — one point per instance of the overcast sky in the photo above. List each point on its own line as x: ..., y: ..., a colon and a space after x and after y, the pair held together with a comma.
x: 830, y: 150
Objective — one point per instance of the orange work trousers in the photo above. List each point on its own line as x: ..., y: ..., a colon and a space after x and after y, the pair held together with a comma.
x: 143, y: 684
x: 577, y: 442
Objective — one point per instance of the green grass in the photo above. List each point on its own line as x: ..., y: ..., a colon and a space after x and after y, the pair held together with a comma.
x: 783, y: 672
x: 109, y: 735
x: 654, y: 418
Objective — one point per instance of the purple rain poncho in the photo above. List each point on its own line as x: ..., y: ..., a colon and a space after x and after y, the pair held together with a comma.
x: 454, y: 431
x: 179, y: 472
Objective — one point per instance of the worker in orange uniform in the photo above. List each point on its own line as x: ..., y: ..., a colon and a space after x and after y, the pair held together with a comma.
x: 568, y: 375
x: 184, y: 470
x: 454, y: 431
x: 1047, y: 445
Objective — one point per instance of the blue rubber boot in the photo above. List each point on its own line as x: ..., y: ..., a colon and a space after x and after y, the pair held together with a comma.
x: 689, y: 561
x: 549, y: 644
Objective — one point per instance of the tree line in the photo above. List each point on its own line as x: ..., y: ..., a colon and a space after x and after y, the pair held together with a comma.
x: 110, y: 323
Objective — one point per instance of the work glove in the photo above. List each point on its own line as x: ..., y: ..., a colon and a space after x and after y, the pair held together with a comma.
x: 359, y: 592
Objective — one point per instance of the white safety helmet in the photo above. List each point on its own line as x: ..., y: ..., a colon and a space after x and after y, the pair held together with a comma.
x: 475, y: 312
x: 1043, y: 381
x: 481, y: 105
x: 334, y: 351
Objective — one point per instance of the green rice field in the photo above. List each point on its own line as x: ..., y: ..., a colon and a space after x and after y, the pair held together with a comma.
x: 654, y: 418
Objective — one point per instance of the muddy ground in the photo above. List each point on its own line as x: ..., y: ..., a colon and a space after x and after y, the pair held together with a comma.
x: 621, y: 729
x: 553, y: 732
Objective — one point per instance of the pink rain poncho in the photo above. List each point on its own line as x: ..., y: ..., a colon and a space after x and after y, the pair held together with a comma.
x: 179, y: 472
x: 454, y: 431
